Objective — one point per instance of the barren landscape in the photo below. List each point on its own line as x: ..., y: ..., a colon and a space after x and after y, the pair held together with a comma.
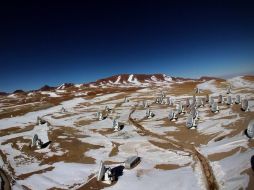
x: 214, y: 155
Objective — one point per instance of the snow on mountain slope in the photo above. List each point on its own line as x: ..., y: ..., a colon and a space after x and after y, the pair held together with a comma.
x: 153, y: 78
x: 130, y: 78
x: 118, y: 80
x: 51, y: 94
x: 167, y: 78
x: 240, y: 82
x: 133, y: 80
x: 208, y: 85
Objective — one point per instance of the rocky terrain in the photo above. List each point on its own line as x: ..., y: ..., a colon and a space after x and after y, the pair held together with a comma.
x: 214, y: 155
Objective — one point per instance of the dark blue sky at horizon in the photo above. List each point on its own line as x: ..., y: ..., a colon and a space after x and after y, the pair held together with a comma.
x: 51, y: 43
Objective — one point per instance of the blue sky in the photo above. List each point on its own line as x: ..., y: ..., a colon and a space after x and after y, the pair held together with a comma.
x: 52, y: 43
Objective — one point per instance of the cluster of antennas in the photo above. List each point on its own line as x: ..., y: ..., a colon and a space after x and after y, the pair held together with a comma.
x: 192, y: 118
x: 228, y: 101
x: 160, y: 99
x: 237, y: 100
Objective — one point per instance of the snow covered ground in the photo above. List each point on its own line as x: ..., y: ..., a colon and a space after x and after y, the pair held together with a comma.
x: 80, y: 141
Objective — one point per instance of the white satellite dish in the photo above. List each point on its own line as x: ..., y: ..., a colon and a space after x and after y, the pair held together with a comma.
x: 63, y: 110
x: 169, y: 101
x: 211, y: 101
x: 199, y: 102
x: 108, y: 109
x: 180, y: 109
x: 229, y: 100
x: 245, y: 105
x: 250, y: 129
x: 34, y: 140
x: 190, y: 123
x: 172, y: 116
x: 149, y: 114
x: 194, y: 113
x: 237, y: 99
x: 116, y: 125
x: 215, y: 108
x: 101, y: 172
x: 99, y: 115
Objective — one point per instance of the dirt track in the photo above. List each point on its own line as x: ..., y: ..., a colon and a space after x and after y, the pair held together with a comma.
x: 211, y: 182
x: 5, y: 181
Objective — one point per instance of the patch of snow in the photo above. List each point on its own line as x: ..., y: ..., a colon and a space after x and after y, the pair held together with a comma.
x: 167, y: 78
x: 225, y: 145
x: 60, y: 91
x: 239, y: 82
x: 153, y: 78
x: 233, y: 166
x: 78, y: 85
x: 81, y: 94
x: 118, y: 79
x: 156, y: 179
x: 12, y: 96
x: 208, y: 85
x: 61, y: 176
x: 51, y: 94
x: 30, y: 94
x: 61, y: 87
x: 130, y: 78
